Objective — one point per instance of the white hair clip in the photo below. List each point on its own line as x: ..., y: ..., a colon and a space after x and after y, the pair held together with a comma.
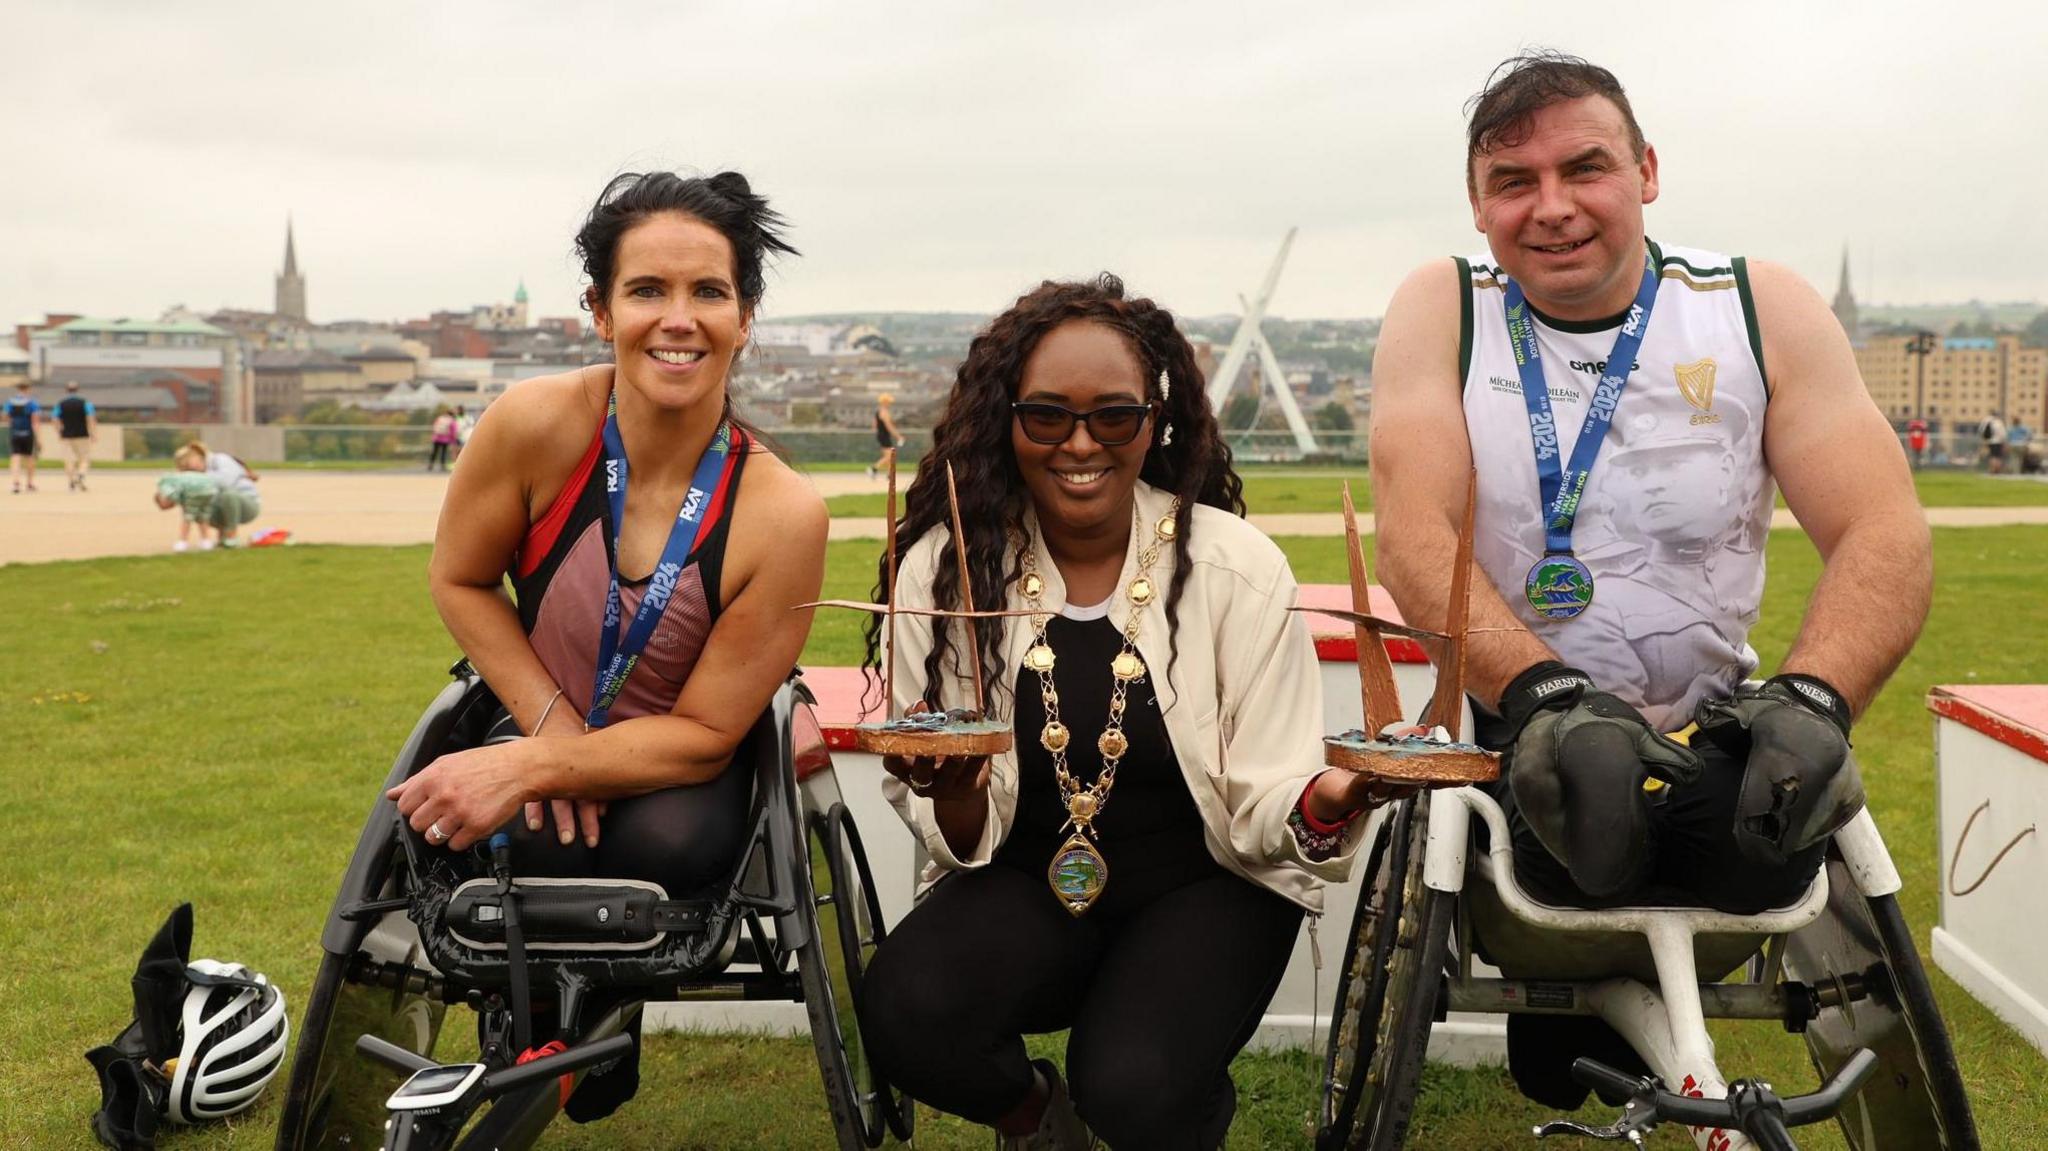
x: 1165, y: 385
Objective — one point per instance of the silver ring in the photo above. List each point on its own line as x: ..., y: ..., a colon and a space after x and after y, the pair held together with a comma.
x: 434, y: 831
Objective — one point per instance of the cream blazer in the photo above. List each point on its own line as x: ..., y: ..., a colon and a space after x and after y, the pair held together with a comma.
x: 1243, y: 703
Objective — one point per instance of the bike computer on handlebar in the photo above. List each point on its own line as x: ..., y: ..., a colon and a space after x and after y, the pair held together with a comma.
x: 432, y: 1088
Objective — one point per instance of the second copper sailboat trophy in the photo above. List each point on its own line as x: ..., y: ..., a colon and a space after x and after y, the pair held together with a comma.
x: 1432, y: 753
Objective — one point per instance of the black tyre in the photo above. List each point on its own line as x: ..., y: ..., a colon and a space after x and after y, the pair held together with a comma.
x: 1414, y: 985
x: 857, y: 922
x: 821, y: 977
x: 1862, y: 952
x: 1361, y: 978
x: 1388, y: 998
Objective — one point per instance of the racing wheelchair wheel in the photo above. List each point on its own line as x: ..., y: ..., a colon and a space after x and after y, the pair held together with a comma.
x: 1860, y: 953
x: 1388, y: 991
x: 856, y: 926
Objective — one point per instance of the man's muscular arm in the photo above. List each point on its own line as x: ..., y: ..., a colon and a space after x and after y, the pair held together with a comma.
x: 1421, y: 467
x: 1845, y: 478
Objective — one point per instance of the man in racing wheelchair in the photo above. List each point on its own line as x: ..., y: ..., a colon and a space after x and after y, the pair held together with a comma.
x: 1628, y: 407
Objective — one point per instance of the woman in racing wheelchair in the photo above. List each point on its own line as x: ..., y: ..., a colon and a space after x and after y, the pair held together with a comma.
x: 655, y: 550
x: 1167, y: 714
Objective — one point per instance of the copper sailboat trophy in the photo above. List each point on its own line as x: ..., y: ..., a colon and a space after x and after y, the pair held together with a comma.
x: 960, y: 731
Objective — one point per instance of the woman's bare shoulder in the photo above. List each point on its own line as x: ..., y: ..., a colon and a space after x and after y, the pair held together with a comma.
x: 779, y: 495
x: 543, y: 425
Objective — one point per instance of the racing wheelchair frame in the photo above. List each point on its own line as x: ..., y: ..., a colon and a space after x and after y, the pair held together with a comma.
x: 1838, y: 966
x: 414, y: 930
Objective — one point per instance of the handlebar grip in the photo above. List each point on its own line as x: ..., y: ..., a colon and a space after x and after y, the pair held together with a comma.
x: 1606, y: 1080
x: 553, y: 1066
x: 392, y: 1055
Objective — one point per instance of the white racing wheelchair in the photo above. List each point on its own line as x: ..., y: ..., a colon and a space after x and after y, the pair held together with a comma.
x: 414, y: 932
x: 1838, y: 967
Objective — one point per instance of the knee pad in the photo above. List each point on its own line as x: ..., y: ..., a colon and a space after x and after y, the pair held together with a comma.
x: 1580, y: 787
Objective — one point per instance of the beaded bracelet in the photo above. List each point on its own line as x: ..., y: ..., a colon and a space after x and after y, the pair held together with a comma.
x: 1316, y: 845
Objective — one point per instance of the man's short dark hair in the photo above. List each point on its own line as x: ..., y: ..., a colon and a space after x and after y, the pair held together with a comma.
x: 1500, y: 115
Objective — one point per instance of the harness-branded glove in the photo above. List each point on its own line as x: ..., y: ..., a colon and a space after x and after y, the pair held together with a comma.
x: 1799, y: 781
x: 1576, y: 768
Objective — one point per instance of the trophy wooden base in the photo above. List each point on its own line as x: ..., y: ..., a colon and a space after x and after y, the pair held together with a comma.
x: 1413, y: 761
x: 972, y: 737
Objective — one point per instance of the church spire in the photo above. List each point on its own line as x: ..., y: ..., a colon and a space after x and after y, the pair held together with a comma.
x: 291, y: 286
x: 1845, y: 300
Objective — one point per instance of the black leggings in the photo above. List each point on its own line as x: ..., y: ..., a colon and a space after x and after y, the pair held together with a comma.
x: 438, y: 456
x: 1160, y: 1000
x: 685, y: 838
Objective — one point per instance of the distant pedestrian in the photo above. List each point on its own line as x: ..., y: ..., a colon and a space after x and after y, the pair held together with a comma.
x: 235, y: 501
x: 23, y: 415
x: 465, y: 423
x: 444, y: 440
x: 79, y: 427
x: 1916, y: 439
x: 198, y: 498
x: 1993, y: 434
x: 885, y: 432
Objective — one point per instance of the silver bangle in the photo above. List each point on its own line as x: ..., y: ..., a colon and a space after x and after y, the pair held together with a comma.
x: 542, y: 721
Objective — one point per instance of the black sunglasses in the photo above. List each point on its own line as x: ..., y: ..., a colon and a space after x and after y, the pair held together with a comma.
x: 1112, y: 426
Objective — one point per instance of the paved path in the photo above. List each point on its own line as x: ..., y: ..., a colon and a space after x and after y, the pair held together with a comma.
x: 117, y: 516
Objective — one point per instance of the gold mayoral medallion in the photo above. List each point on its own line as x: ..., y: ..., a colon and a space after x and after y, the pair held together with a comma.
x: 1078, y: 872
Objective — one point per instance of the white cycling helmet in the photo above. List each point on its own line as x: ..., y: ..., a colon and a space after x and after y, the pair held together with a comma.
x: 232, y: 1036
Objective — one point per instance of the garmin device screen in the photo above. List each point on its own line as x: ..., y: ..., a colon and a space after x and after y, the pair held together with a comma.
x: 435, y: 1087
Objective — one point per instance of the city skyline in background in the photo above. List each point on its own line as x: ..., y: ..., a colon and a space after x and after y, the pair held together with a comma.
x: 944, y: 160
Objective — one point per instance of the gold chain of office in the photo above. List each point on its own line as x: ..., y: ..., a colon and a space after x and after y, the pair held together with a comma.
x: 1078, y: 873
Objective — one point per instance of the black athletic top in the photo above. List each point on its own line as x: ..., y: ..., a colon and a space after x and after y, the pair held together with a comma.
x: 1149, y: 832
x: 564, y: 567
x: 72, y: 412
x: 882, y: 435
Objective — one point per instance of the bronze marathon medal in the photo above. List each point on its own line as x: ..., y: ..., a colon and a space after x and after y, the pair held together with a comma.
x: 1078, y: 872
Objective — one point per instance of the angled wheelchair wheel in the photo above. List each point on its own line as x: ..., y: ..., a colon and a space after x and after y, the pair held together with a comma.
x: 822, y: 977
x: 334, y: 1097
x: 1860, y: 955
x: 857, y: 923
x: 1361, y: 978
x: 1387, y: 993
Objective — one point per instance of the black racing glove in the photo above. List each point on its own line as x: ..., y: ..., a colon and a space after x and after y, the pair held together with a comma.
x: 1799, y: 781
x: 1576, y: 768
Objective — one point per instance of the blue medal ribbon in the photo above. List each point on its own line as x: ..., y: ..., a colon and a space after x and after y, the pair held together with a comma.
x: 1559, y: 586
x: 616, y: 656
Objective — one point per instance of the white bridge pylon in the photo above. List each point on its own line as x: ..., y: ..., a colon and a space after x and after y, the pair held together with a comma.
x: 1248, y: 338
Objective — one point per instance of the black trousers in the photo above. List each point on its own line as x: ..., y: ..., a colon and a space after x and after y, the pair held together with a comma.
x: 686, y: 838
x: 1693, y: 857
x: 1159, y: 997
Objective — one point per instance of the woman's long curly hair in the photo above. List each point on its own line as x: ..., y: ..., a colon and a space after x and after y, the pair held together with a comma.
x: 974, y: 437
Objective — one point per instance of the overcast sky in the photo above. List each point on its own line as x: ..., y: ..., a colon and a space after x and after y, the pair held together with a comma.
x: 946, y: 155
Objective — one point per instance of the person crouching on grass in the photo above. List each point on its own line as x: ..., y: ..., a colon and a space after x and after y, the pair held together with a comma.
x: 1137, y: 866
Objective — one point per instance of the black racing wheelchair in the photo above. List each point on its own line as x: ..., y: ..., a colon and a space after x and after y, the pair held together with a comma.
x: 414, y: 932
x: 1838, y: 967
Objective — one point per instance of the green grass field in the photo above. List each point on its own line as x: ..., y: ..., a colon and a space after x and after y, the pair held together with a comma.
x: 1275, y: 490
x: 213, y: 729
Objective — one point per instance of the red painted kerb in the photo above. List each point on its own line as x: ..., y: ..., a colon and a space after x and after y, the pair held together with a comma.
x: 840, y: 690
x: 2015, y: 715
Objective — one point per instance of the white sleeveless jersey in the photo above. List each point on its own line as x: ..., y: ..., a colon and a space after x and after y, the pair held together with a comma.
x: 1673, y: 521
